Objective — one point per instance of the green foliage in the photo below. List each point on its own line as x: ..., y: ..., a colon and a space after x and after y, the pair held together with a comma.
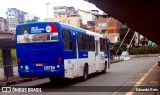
x: 122, y: 48
x: 129, y: 35
x: 14, y: 56
x: 145, y: 50
x: 13, y: 51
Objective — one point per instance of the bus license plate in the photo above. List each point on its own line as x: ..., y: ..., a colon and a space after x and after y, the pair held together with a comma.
x: 49, y: 68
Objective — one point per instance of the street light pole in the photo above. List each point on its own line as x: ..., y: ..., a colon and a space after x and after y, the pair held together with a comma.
x: 47, y: 11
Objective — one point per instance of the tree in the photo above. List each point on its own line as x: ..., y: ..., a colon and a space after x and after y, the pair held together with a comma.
x: 116, y: 46
x: 128, y: 37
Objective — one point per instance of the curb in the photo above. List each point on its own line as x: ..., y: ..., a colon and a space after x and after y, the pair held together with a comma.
x: 15, y: 80
x: 144, y: 55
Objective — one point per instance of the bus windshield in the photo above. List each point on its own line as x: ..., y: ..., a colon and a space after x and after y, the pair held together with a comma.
x: 35, y: 35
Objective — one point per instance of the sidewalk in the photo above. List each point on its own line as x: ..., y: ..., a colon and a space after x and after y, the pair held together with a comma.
x: 15, y: 72
x: 13, y: 80
x: 3, y: 79
x: 152, y: 78
x: 147, y: 79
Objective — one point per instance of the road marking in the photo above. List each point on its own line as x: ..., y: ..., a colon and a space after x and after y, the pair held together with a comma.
x: 143, y: 78
x: 155, y: 70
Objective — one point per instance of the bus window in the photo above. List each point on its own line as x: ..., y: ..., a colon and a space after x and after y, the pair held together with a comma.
x: 80, y: 41
x: 102, y: 44
x: 91, y: 43
x: 26, y: 37
x: 66, y: 35
x: 86, y: 42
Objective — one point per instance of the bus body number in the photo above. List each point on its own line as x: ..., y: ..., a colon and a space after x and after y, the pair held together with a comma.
x: 49, y: 67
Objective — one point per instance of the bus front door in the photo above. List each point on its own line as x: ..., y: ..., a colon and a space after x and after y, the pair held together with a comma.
x: 97, y: 48
x: 75, y: 50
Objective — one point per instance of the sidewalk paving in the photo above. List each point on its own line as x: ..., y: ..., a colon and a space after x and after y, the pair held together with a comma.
x: 15, y: 72
x: 148, y: 78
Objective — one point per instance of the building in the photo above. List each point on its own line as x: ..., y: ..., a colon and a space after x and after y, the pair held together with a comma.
x: 3, y: 24
x: 15, y: 16
x: 71, y: 20
x: 86, y: 16
x: 140, y: 40
x: 63, y: 10
x: 30, y: 18
x: 111, y: 29
x: 66, y: 15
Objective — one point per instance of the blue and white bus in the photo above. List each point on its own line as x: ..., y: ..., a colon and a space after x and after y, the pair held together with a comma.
x: 57, y: 50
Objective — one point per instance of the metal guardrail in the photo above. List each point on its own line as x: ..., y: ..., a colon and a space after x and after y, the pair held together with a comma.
x: 116, y: 58
x: 6, y: 72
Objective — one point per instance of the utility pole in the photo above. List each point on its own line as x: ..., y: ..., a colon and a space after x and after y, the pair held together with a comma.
x: 104, y: 26
x: 123, y: 41
x: 131, y: 41
x: 47, y: 11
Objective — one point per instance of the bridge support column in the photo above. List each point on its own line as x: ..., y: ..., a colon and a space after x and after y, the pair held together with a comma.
x: 7, y: 61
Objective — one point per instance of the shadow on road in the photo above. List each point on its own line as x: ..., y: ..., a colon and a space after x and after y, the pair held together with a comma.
x: 66, y: 82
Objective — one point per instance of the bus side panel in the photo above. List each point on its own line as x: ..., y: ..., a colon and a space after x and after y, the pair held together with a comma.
x: 91, y: 62
x: 102, y: 60
x: 69, y: 66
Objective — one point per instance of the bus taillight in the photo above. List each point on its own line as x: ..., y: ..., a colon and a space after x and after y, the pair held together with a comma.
x: 59, y: 60
x: 19, y: 61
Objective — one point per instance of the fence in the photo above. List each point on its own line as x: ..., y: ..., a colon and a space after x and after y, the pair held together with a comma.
x: 116, y: 58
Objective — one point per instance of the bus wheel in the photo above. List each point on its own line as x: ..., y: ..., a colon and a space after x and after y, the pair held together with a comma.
x: 105, y: 68
x: 85, y: 73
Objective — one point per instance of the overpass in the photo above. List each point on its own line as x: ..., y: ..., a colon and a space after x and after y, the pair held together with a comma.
x: 140, y: 15
x: 7, y: 42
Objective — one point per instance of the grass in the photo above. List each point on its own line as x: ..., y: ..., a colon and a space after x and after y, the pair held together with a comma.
x: 13, y: 52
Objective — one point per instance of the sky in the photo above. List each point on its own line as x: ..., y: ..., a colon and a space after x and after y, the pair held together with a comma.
x: 39, y: 7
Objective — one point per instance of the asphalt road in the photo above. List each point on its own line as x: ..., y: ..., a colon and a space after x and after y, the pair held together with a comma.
x: 118, y: 75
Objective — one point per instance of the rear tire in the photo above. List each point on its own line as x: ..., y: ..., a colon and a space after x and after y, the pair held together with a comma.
x: 85, y: 73
x: 55, y: 80
x: 105, y: 68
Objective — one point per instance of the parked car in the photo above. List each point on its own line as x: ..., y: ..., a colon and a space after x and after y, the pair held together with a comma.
x: 125, y: 55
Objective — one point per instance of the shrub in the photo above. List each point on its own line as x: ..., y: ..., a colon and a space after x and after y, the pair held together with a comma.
x: 145, y: 50
x: 13, y: 53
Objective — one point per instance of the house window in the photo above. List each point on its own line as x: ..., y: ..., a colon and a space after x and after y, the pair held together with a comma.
x: 68, y: 21
x: 101, y: 24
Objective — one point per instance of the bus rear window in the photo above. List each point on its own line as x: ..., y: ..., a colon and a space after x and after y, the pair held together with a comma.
x: 33, y: 38
x: 37, y: 32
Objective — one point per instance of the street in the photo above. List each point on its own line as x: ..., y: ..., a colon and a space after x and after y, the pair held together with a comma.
x: 118, y: 75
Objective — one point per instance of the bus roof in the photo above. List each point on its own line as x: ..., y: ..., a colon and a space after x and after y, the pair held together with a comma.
x: 82, y: 30
x: 69, y: 26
